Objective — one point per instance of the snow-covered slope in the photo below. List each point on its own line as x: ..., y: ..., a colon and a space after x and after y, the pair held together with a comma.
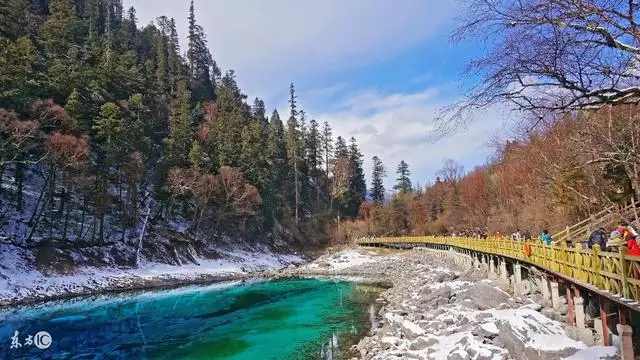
x: 20, y: 281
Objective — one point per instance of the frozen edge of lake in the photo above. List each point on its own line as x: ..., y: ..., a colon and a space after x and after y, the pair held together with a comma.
x: 21, y: 283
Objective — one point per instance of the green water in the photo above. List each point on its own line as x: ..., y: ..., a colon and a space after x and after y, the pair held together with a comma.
x: 276, y: 319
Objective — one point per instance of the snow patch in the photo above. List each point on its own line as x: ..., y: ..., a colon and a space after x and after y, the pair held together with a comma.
x: 21, y: 281
x: 595, y: 353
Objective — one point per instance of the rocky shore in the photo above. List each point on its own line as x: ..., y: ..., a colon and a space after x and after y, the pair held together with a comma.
x: 436, y: 309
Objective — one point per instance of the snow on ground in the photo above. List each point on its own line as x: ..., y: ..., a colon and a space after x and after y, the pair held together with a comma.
x: 20, y: 281
x: 342, y: 260
x: 436, y: 310
x: 595, y: 352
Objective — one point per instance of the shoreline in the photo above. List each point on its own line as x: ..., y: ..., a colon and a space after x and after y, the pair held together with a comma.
x: 437, y: 309
x: 21, y: 284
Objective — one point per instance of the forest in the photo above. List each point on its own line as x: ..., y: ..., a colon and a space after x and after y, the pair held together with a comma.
x: 109, y: 130
x: 569, y: 168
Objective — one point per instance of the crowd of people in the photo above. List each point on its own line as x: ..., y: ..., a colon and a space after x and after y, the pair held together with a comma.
x: 623, y: 235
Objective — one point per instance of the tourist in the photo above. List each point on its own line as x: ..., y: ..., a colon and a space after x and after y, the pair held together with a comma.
x: 527, y: 235
x: 626, y: 232
x: 615, y: 241
x: 518, y: 235
x: 598, y: 237
x: 545, y: 237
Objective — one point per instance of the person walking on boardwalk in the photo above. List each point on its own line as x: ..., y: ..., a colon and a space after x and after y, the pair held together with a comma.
x: 598, y: 237
x: 545, y: 237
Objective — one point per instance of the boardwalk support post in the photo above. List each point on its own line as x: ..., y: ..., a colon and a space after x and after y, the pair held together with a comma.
x: 626, y: 342
x: 492, y: 265
x: 555, y: 295
x: 571, y: 313
x: 544, y: 289
x: 503, y: 270
x: 578, y: 302
x: 518, y: 279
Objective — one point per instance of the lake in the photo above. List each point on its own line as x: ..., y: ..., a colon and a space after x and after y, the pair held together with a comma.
x: 255, y: 319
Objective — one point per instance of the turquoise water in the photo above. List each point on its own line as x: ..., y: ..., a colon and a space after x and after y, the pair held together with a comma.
x: 276, y: 319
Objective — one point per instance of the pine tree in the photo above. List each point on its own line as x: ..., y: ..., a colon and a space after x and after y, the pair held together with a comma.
x: 178, y: 143
x: 358, y: 186
x: 342, y: 152
x: 277, y: 154
x: 162, y: 53
x: 232, y: 117
x: 327, y: 145
x: 403, y: 182
x: 377, y: 186
x: 293, y: 146
x: 175, y: 61
x: 258, y: 112
x: 200, y: 60
x: 314, y: 156
x: 12, y: 19
x: 59, y: 31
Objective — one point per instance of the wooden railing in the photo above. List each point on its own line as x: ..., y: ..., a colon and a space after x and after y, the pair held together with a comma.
x: 606, y: 217
x: 615, y: 273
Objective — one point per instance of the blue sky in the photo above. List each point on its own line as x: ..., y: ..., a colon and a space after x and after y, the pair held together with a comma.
x: 377, y: 70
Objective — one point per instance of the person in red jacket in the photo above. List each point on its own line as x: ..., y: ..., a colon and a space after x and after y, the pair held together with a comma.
x: 633, y: 247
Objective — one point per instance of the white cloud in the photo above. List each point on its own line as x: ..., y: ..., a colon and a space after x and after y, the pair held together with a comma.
x: 270, y: 43
x: 397, y: 126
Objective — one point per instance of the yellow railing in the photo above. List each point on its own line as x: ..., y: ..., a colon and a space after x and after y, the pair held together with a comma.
x: 614, y: 272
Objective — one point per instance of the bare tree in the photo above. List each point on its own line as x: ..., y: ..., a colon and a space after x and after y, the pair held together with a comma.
x: 451, y: 171
x: 548, y: 56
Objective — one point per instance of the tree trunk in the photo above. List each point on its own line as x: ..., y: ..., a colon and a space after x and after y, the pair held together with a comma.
x: 19, y: 174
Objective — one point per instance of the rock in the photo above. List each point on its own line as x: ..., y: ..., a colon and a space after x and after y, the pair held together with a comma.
x: 484, y: 295
x: 412, y: 330
x: 532, y: 306
x: 564, y: 309
x: 458, y: 355
x: 580, y: 334
x: 437, y: 297
x: 486, y: 330
x: 518, y: 342
x: 422, y: 343
x: 503, y: 306
x: 548, y: 312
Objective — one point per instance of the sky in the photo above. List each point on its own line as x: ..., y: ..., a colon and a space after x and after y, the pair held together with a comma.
x: 377, y: 70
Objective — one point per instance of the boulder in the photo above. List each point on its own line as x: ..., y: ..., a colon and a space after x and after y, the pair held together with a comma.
x: 580, y: 334
x: 423, y: 343
x: 437, y: 297
x: 411, y: 330
x: 484, y: 296
x: 518, y: 342
x: 487, y: 330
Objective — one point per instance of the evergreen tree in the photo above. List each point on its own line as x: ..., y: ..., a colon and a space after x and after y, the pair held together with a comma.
x: 232, y: 117
x: 162, y: 53
x: 327, y: 145
x: 175, y: 61
x: 358, y: 186
x: 277, y: 154
x: 403, y: 182
x: 258, y: 112
x: 59, y: 30
x: 294, y: 147
x: 178, y: 143
x: 200, y: 60
x: 377, y: 186
x: 342, y: 152
x: 12, y: 19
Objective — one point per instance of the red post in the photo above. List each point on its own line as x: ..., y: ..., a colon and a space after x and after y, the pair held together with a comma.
x: 604, y: 320
x: 623, y: 316
x: 570, y: 306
